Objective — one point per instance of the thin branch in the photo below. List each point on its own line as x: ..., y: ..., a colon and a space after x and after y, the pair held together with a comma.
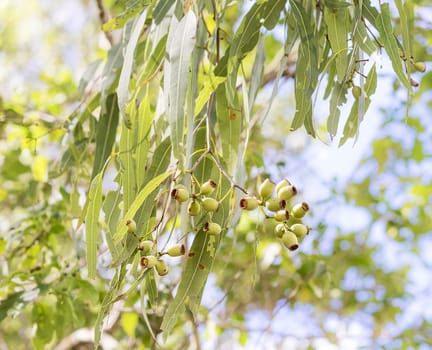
x: 103, y: 17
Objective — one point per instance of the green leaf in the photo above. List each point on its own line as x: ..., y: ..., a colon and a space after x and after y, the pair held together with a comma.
x: 352, y: 124
x: 106, y: 130
x: 229, y: 123
x: 161, y: 9
x: 133, y: 9
x: 337, y: 30
x: 41, y: 315
x: 385, y: 28
x: 159, y: 164
x: 112, y: 215
x: 123, y: 85
x: 111, y: 73
x: 139, y: 199
x: 209, y: 87
x: 11, y: 302
x: 246, y: 38
x: 91, y: 223
x: 180, y: 45
x: 154, y: 62
x: 306, y: 70
x: 338, y: 98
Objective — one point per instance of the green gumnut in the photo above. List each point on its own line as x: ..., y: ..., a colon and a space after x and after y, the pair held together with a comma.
x: 208, y: 187
x: 356, y: 91
x: 131, y: 226
x: 281, y: 184
x: 210, y: 204
x: 265, y: 190
x: 274, y: 204
x: 286, y: 192
x: 299, y: 210
x: 279, y: 230
x: 290, y: 240
x: 249, y: 203
x: 146, y: 247
x: 299, y: 230
x: 212, y: 228
x: 161, y: 267
x: 176, y: 250
x: 420, y: 67
x: 148, y: 261
x: 281, y: 215
x: 180, y: 193
x: 194, y: 208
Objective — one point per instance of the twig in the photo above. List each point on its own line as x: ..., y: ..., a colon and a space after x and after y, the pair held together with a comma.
x: 103, y: 17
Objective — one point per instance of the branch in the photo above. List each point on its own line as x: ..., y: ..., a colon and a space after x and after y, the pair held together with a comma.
x: 103, y: 17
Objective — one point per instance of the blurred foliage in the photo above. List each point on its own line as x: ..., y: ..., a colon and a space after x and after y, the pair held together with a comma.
x: 360, y: 278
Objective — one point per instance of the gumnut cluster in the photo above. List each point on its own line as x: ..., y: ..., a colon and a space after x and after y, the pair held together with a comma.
x: 150, y: 258
x: 274, y: 200
x: 200, y: 201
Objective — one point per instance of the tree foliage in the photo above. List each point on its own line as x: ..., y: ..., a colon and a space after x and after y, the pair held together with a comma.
x: 175, y: 101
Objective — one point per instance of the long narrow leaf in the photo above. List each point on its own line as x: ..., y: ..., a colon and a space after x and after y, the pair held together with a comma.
x: 180, y: 44
x: 139, y: 199
x: 123, y: 85
x: 106, y: 130
x: 385, y: 28
x: 91, y: 223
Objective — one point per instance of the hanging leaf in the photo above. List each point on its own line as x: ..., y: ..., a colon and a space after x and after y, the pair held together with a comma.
x: 338, y: 99
x: 154, y: 62
x: 106, y: 130
x: 123, y: 85
x: 111, y: 73
x: 337, y: 31
x: 112, y: 215
x: 209, y: 87
x: 180, y: 44
x: 246, y: 38
x: 306, y: 70
x: 91, y: 223
x: 139, y: 199
x: 352, y: 124
x: 385, y: 28
x: 159, y: 164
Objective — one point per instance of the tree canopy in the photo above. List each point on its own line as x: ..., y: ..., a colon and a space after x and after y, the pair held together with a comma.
x: 171, y: 194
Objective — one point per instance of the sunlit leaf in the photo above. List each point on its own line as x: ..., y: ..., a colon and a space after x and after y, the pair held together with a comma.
x: 91, y: 223
x: 137, y: 202
x: 180, y: 44
x: 123, y: 85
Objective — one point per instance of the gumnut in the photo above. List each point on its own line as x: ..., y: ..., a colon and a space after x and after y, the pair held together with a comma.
x: 290, y: 240
x: 146, y: 246
x: 279, y: 230
x: 208, y: 187
x: 212, y: 228
x: 274, y: 204
x: 249, y: 203
x: 299, y: 210
x: 281, y: 184
x: 210, y: 204
x: 148, y: 261
x: 265, y: 190
x: 161, y: 267
x: 176, y: 250
x: 194, y: 208
x: 180, y: 193
x: 281, y: 215
x: 286, y: 192
x: 131, y: 226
